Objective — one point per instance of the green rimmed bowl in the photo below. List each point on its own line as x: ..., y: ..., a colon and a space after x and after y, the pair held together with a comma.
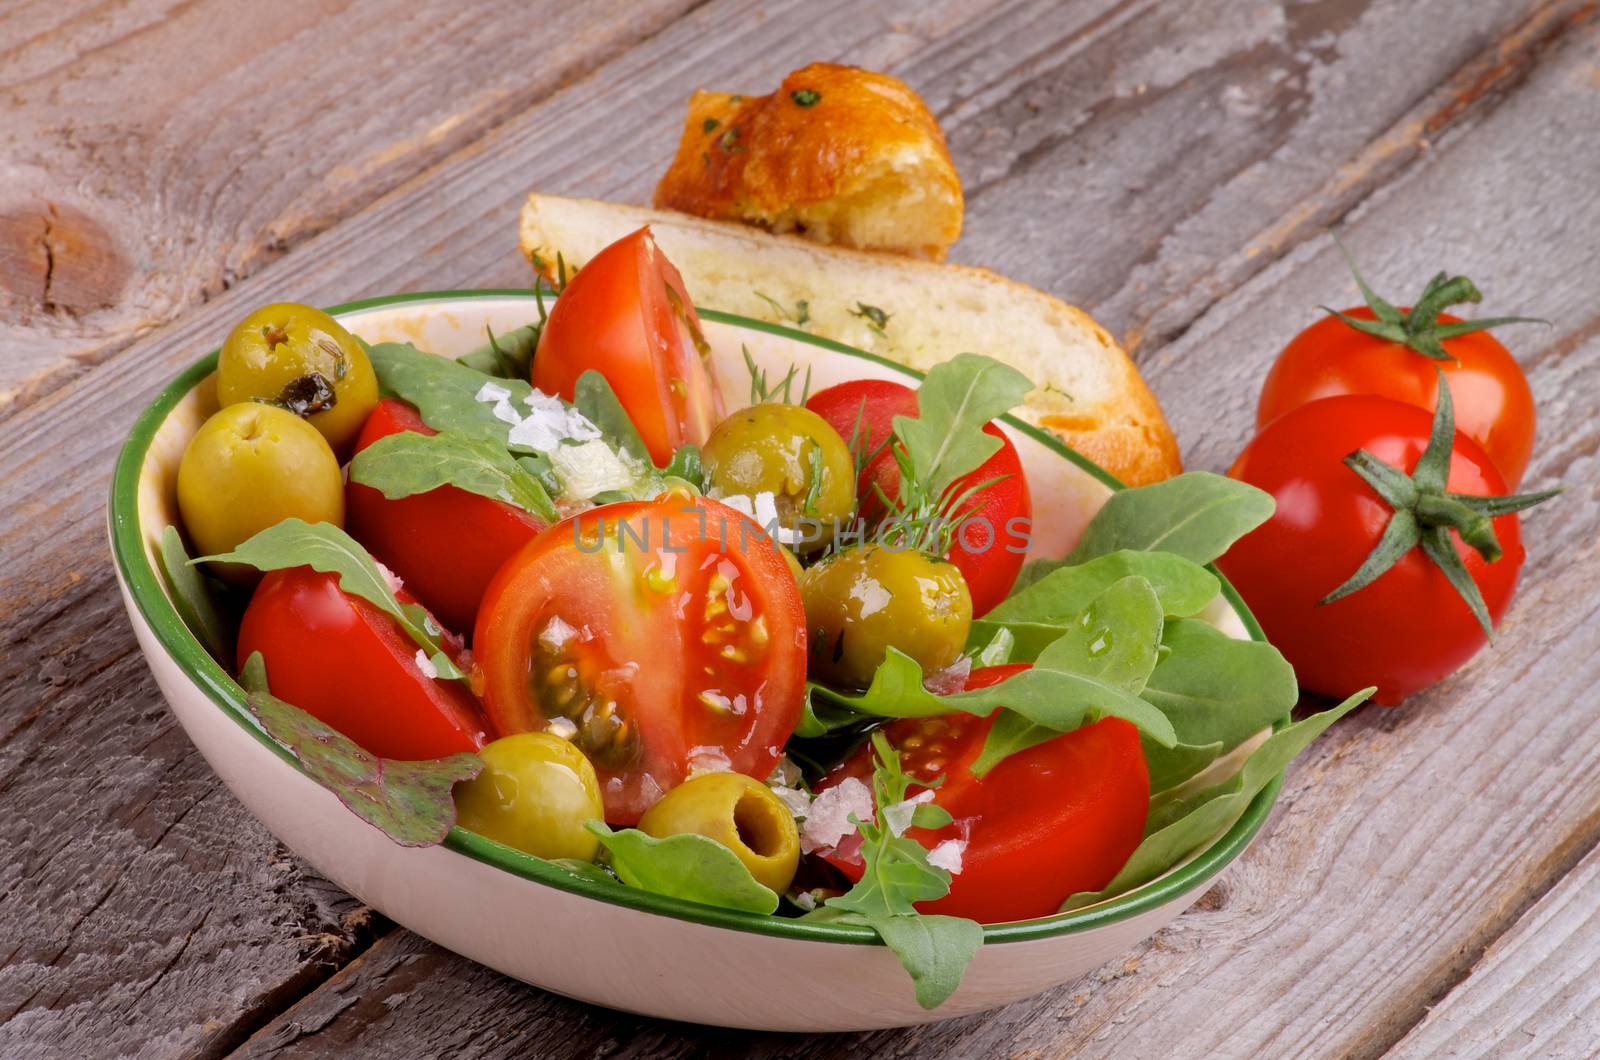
x: 610, y: 945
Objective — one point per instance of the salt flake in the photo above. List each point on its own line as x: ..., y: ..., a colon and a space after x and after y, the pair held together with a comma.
x: 947, y: 856
x: 898, y: 817
x: 425, y: 664
x: 829, y: 818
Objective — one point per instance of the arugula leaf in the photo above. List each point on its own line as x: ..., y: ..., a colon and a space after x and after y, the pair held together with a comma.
x: 1178, y: 828
x: 326, y: 548
x: 1196, y: 515
x: 593, y: 397
x: 1037, y: 614
x: 192, y: 599
x: 688, y: 866
x: 508, y: 356
x: 934, y: 950
x: 686, y: 464
x: 399, y: 465
x: 444, y: 392
x: 410, y: 802
x: 1081, y: 673
x: 820, y: 719
x: 956, y: 400
x: 1217, y: 691
x: 1113, y: 641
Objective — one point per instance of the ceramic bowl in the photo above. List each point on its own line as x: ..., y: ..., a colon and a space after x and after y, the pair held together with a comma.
x: 611, y: 945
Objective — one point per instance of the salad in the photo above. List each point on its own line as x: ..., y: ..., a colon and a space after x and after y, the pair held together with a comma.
x: 786, y: 658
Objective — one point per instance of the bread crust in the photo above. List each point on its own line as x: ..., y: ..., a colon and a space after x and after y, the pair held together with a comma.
x: 840, y: 154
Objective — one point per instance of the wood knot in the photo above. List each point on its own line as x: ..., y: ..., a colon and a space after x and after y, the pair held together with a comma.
x: 59, y: 258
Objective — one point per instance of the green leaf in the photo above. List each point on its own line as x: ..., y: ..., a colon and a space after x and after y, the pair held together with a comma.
x: 1114, y: 641
x: 399, y: 465
x: 956, y: 400
x: 1182, y: 826
x: 688, y: 866
x: 687, y: 465
x: 192, y: 598
x: 444, y: 392
x: 1217, y: 691
x: 508, y: 356
x: 934, y: 950
x: 410, y: 802
x: 593, y: 397
x: 1036, y: 614
x: 820, y: 719
x: 1196, y: 515
x: 326, y: 548
x: 1096, y: 667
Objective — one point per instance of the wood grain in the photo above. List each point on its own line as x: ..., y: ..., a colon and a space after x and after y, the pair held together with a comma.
x: 155, y: 152
x: 1411, y: 832
x: 1535, y: 993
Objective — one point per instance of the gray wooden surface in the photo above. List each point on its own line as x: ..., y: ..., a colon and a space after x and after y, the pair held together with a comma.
x: 1426, y: 883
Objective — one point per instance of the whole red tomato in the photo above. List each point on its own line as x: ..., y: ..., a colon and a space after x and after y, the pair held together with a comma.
x: 1409, y: 627
x: 992, y: 542
x: 445, y: 544
x: 1398, y: 353
x: 1061, y: 817
x: 348, y: 664
x: 627, y: 315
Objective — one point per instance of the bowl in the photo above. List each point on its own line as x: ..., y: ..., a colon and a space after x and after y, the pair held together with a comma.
x: 606, y: 944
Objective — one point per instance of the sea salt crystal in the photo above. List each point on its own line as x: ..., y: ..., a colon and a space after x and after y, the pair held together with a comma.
x: 947, y: 856
x: 565, y: 728
x: 829, y: 818
x: 389, y: 576
x: 708, y: 758
x: 898, y: 817
x: 425, y: 664
x: 796, y: 800
x: 489, y: 393
x: 556, y: 633
x: 805, y: 900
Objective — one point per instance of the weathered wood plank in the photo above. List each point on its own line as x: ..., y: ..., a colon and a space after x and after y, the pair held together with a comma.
x: 154, y: 153
x: 1408, y: 840
x: 1536, y: 991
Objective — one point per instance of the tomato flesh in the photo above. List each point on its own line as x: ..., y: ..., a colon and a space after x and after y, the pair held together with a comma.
x: 1493, y: 403
x: 992, y: 541
x: 345, y: 662
x: 658, y: 643
x: 627, y: 315
x: 1409, y: 628
x: 1046, y: 823
x: 445, y: 544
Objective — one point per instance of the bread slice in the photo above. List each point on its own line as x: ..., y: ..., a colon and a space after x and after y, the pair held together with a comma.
x: 914, y: 312
x: 837, y: 154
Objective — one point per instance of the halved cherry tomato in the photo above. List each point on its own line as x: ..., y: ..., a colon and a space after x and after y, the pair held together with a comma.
x: 627, y: 315
x: 444, y: 544
x: 1493, y: 404
x: 342, y: 660
x: 1061, y: 817
x: 661, y: 637
x: 1409, y: 628
x: 992, y: 542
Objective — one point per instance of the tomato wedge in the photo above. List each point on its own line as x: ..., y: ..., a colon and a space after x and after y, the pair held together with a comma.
x: 1043, y: 824
x: 627, y: 315
x: 444, y: 544
x: 992, y: 543
x: 345, y: 662
x: 662, y: 637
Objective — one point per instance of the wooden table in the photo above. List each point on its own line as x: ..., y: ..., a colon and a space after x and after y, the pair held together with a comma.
x: 1427, y: 883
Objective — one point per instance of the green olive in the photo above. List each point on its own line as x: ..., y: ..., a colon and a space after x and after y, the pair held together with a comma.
x: 252, y: 466
x: 536, y: 793
x: 304, y: 360
x: 865, y: 600
x: 791, y: 453
x: 737, y: 811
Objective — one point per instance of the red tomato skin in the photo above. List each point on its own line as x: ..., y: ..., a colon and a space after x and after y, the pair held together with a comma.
x: 989, y: 565
x: 1408, y: 629
x: 348, y: 664
x: 1493, y: 403
x: 615, y: 316
x: 445, y: 544
x: 1042, y: 825
x: 664, y: 642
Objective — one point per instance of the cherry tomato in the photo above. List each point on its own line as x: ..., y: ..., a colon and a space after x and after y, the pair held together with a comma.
x: 1409, y: 628
x: 444, y: 544
x: 627, y: 315
x: 1493, y: 404
x: 345, y: 662
x: 1045, y: 823
x: 993, y: 539
x: 661, y: 637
